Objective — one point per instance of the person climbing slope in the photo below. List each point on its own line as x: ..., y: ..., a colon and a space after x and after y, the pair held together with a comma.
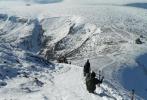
x: 87, y: 68
x: 91, y: 82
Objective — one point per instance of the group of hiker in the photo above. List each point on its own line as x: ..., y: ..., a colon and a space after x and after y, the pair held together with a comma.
x: 91, y: 80
x: 90, y: 76
x: 63, y: 59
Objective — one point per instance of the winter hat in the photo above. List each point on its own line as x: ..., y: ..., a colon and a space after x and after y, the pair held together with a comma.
x: 93, y: 74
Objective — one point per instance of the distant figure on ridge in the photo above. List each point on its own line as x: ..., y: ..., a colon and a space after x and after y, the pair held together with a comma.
x: 91, y: 82
x: 62, y: 59
x: 87, y: 68
x: 38, y: 82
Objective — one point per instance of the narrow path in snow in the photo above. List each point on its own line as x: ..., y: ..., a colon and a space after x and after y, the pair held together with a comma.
x: 70, y: 85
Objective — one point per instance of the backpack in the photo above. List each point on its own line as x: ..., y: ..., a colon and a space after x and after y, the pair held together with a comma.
x: 90, y: 84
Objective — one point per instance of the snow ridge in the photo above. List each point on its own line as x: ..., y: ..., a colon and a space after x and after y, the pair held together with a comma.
x: 28, y: 45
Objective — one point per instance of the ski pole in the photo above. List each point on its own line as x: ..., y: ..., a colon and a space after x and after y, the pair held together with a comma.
x: 132, y: 95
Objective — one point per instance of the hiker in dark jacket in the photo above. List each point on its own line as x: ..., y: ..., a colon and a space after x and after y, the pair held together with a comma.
x: 87, y: 68
x: 38, y: 82
x: 91, y: 82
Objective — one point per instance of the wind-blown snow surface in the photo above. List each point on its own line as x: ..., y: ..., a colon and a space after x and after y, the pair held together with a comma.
x: 35, y: 32
x: 64, y: 82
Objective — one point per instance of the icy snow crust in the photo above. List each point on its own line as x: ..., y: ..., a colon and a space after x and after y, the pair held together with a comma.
x: 33, y: 33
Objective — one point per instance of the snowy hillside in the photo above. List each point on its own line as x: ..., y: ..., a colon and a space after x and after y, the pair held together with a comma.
x: 58, y: 84
x: 34, y: 33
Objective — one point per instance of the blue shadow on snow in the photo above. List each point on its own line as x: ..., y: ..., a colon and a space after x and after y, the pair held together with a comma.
x: 135, y: 77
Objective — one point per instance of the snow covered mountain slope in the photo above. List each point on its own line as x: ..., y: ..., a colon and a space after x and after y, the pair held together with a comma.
x: 35, y: 32
x: 12, y: 27
x: 64, y: 82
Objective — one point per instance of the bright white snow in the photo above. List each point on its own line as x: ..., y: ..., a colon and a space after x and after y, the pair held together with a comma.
x: 35, y: 32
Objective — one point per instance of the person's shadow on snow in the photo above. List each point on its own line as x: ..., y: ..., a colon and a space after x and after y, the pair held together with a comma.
x: 104, y: 94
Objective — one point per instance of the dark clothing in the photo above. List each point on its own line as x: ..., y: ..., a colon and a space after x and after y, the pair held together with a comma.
x: 91, y: 83
x: 62, y: 59
x: 86, y: 68
x: 138, y: 41
x: 38, y: 82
